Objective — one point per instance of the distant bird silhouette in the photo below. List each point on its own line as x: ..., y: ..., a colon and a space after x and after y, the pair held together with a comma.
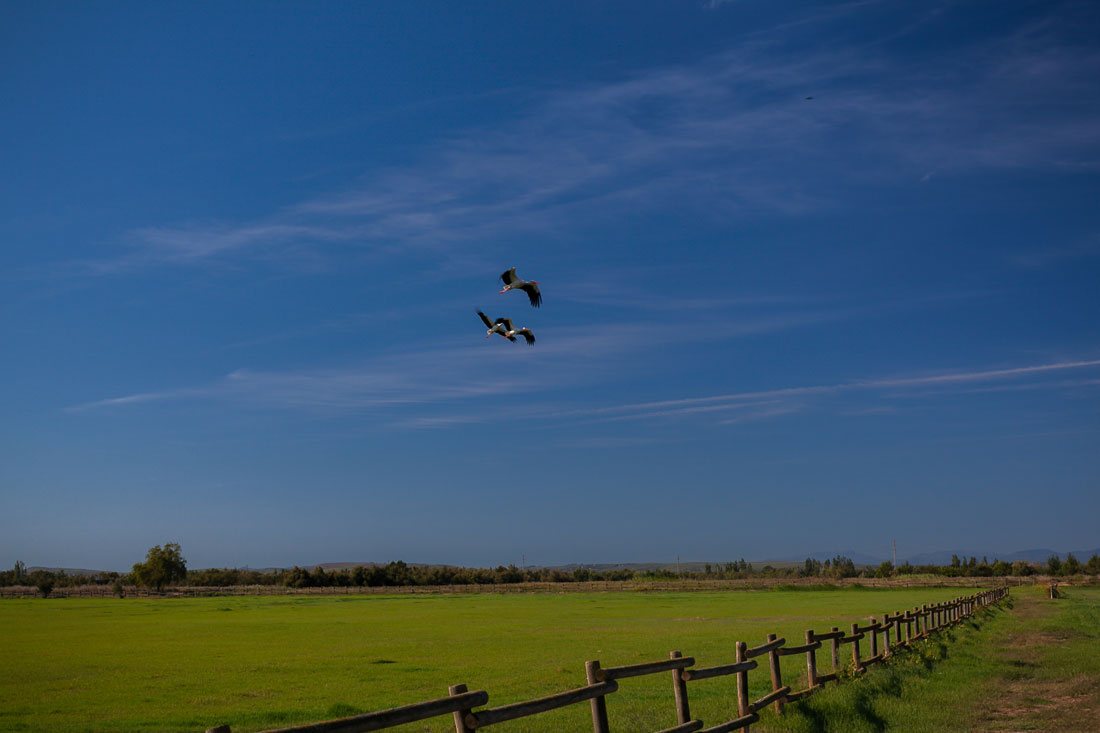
x: 511, y: 331
x: 513, y: 282
x: 808, y: 98
x: 496, y: 327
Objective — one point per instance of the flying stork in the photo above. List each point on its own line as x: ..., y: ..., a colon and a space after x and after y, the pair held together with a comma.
x: 511, y: 331
x: 497, y: 327
x: 513, y: 282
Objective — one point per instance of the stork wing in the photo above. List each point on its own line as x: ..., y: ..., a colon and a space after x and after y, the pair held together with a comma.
x: 507, y: 323
x: 510, y: 338
x: 526, y: 334
x: 509, y: 276
x: 485, y: 320
x: 533, y: 294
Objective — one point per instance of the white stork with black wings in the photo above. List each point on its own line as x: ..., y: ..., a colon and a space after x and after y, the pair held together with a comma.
x: 511, y: 331
x: 496, y: 327
x: 514, y: 282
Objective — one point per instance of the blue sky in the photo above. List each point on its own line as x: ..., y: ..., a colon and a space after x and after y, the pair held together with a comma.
x: 243, y: 246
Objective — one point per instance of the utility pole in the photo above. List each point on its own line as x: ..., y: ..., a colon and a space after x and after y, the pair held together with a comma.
x: 678, y: 573
x: 523, y: 562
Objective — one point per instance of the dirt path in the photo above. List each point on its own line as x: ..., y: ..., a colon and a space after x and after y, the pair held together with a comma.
x: 1023, y: 698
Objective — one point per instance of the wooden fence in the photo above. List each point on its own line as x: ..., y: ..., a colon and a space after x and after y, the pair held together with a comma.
x: 881, y: 638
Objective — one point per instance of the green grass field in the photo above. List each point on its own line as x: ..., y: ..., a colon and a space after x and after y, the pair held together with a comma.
x: 1031, y: 666
x: 259, y: 662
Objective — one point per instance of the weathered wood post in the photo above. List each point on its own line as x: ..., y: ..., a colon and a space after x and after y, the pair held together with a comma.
x: 680, y: 692
x: 875, y: 628
x: 836, y: 650
x: 743, y: 703
x: 886, y: 622
x: 460, y: 715
x: 811, y: 662
x: 908, y: 627
x: 598, y: 704
x: 897, y: 627
x: 856, y: 664
x: 777, y: 675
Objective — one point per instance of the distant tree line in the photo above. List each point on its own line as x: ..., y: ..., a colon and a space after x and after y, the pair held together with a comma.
x: 165, y: 566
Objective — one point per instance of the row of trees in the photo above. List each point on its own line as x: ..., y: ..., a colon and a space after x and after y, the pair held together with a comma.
x: 973, y: 567
x: 165, y: 566
x: 162, y: 566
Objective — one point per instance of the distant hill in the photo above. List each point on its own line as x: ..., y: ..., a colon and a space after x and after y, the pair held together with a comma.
x: 859, y: 558
x: 940, y: 557
x: 67, y: 571
x: 943, y: 557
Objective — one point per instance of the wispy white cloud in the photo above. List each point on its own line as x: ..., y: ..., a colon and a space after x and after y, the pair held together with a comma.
x: 457, y: 370
x: 793, y: 397
x: 407, y: 390
x: 1057, y: 254
x: 729, y: 136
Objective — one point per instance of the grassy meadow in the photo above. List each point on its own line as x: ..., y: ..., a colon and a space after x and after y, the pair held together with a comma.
x: 261, y: 662
x: 1033, y: 665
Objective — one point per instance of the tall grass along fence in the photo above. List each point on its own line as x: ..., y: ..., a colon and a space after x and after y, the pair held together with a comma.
x: 868, y: 645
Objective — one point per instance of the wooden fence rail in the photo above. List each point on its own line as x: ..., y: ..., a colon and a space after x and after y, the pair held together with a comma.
x: 918, y: 623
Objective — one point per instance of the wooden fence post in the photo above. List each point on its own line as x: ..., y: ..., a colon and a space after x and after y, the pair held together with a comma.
x: 599, y: 704
x: 777, y: 675
x: 460, y: 715
x: 811, y: 662
x: 680, y: 692
x: 855, y: 649
x: 874, y: 636
x: 897, y: 627
x: 743, y: 703
x: 836, y: 652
